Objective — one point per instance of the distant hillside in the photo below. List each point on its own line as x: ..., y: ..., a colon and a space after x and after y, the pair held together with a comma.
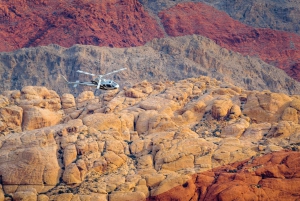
x: 281, y: 49
x: 110, y: 23
x: 131, y: 23
x: 161, y: 59
x: 274, y: 14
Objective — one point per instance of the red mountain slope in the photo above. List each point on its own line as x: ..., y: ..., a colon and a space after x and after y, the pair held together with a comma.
x: 114, y: 23
x: 281, y: 49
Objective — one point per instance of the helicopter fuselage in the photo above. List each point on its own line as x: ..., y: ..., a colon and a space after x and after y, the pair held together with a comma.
x: 105, y: 84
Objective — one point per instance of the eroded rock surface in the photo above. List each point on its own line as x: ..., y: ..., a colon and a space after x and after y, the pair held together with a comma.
x: 156, y: 141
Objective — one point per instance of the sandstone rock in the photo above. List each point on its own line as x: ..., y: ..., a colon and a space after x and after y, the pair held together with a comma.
x: 265, y: 107
x: 182, y: 163
x: 221, y: 108
x: 290, y: 114
x: 133, y: 93
x: 282, y: 130
x: 28, y: 195
x: 71, y: 174
x: 154, y: 179
x: 103, y: 122
x: 84, y: 98
x: 11, y: 117
x: 67, y: 101
x: 236, y: 129
x: 34, y: 118
x: 257, y: 131
x: 114, y: 161
x: 295, y: 104
x: 70, y: 154
x: 170, y: 182
x: 40, y: 97
x: 42, y: 197
x: 156, y: 103
x: 1, y: 194
x: 102, y: 154
x: 4, y: 101
x: 142, y: 124
x: 37, y: 153
x: 62, y: 197
x: 145, y: 162
x: 235, y: 112
x: 127, y: 196
x: 116, y: 146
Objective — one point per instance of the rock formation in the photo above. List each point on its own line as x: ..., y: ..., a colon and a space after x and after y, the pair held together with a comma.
x: 201, y: 117
x: 198, y: 138
x: 159, y: 60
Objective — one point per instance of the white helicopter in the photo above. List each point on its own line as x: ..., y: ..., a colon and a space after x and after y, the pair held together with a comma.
x: 98, y: 82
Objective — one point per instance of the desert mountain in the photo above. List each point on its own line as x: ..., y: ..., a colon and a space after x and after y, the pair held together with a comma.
x: 278, y: 48
x: 160, y: 59
x: 198, y: 139
x: 127, y: 23
x: 27, y: 23
x: 274, y: 14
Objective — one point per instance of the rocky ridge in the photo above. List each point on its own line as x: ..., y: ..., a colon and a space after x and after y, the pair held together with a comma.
x: 125, y: 24
x: 281, y: 49
x: 171, y: 58
x: 280, y: 15
x: 147, y: 139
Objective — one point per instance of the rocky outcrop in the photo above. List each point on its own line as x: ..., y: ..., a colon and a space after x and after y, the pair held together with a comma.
x: 267, y: 177
x: 275, y: 47
x: 160, y: 59
x: 155, y: 140
x: 106, y: 23
x: 29, y: 109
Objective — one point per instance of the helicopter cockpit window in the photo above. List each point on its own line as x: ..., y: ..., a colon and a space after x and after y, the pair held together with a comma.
x: 108, y: 85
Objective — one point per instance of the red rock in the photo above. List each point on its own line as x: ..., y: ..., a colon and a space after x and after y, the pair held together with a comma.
x: 265, y: 178
x: 278, y: 48
x: 113, y: 23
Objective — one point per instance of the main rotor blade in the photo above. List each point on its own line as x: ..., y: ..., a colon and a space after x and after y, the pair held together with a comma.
x: 114, y: 71
x: 83, y: 72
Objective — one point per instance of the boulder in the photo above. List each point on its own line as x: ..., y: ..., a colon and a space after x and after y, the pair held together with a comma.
x: 67, y: 101
x: 71, y: 174
x: 266, y: 107
x: 70, y: 154
x: 221, y: 108
x: 127, y: 196
x: 35, y: 117
x: 11, y: 117
x: 28, y: 195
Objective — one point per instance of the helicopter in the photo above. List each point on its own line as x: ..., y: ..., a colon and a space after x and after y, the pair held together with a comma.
x: 98, y: 82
